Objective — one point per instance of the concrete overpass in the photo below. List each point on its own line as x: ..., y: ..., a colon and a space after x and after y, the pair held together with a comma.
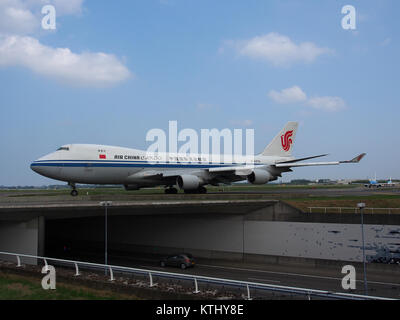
x: 247, y: 229
x: 25, y: 228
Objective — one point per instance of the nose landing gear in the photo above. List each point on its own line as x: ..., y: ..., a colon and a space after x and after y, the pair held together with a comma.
x: 74, y: 192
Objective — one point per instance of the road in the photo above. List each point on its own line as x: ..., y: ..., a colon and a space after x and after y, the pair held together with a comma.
x: 326, y: 278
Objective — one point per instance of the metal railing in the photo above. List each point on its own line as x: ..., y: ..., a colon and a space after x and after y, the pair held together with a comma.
x: 196, y: 279
x: 353, y: 210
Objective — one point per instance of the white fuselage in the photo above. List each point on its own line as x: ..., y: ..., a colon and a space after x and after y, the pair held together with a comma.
x: 98, y: 164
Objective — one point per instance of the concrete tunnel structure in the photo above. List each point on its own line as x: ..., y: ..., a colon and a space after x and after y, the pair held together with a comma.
x: 247, y: 230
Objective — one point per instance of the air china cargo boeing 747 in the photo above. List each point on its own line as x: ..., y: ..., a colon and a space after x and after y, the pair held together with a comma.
x: 135, y: 169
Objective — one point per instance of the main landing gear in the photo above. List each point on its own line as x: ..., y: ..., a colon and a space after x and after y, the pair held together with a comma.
x: 74, y: 192
x: 171, y: 190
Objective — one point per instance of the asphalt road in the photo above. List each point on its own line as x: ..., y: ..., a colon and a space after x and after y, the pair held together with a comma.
x: 326, y: 278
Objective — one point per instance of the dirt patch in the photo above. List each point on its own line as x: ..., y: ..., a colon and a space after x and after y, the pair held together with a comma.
x: 21, y: 288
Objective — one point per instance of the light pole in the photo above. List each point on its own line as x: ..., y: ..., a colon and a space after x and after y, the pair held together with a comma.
x: 361, y: 206
x: 106, y: 204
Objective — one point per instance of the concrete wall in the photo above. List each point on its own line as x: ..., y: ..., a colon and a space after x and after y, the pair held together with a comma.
x: 274, y: 230
x: 154, y: 234
x: 22, y: 237
x: 232, y: 237
x: 218, y: 234
x: 319, y: 240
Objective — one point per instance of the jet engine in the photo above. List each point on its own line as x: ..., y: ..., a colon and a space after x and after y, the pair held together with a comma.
x: 188, y: 182
x: 259, y: 177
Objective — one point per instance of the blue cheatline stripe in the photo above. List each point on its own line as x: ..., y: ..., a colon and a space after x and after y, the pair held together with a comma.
x: 124, y: 165
x: 126, y: 161
x: 38, y: 161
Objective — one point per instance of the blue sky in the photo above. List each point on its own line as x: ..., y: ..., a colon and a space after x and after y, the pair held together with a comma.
x: 113, y: 70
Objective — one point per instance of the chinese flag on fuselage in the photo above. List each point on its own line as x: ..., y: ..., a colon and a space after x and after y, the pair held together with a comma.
x: 102, y: 156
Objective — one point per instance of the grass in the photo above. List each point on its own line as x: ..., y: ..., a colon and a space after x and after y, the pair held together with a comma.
x: 158, y: 190
x: 301, y: 200
x: 17, y: 287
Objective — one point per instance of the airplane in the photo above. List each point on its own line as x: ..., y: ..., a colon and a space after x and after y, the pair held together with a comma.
x: 389, y: 183
x: 136, y: 169
x: 373, y: 183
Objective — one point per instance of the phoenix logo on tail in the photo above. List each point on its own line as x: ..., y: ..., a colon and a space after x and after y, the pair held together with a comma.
x: 286, y: 140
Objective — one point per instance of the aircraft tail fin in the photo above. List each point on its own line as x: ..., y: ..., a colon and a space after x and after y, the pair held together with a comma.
x: 282, y: 144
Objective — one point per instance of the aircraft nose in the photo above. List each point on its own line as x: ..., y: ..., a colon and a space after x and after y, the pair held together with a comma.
x: 38, y: 165
x: 35, y: 167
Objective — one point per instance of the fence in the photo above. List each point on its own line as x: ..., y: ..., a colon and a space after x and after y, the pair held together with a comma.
x: 353, y: 210
x: 196, y: 279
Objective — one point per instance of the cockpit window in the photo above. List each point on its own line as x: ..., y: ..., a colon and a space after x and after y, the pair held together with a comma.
x: 63, y: 148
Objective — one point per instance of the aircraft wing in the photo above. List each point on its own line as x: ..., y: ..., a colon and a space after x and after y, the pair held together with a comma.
x: 218, y: 175
x: 151, y: 174
x: 238, y: 170
x: 308, y: 164
x: 302, y: 159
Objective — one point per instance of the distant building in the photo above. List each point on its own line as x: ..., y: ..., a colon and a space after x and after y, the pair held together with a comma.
x: 344, y: 181
x: 325, y: 181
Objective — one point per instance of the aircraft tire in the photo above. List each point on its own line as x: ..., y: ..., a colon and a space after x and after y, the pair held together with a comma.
x: 202, y: 190
x: 171, y: 191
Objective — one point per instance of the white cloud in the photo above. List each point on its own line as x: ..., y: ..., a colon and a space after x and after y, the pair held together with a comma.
x: 88, y: 69
x: 23, y: 17
x: 327, y: 103
x: 295, y: 95
x: 289, y: 95
x: 20, y: 20
x: 386, y: 42
x: 16, y: 18
x: 63, y: 7
x: 277, y: 49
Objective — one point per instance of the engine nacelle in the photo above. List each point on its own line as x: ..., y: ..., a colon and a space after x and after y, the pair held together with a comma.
x: 259, y: 176
x: 188, y: 182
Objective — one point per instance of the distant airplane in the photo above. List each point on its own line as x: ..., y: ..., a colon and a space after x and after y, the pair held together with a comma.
x: 373, y: 183
x: 389, y: 183
x: 135, y: 169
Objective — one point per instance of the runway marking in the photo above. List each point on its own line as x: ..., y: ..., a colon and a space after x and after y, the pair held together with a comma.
x: 296, y: 274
